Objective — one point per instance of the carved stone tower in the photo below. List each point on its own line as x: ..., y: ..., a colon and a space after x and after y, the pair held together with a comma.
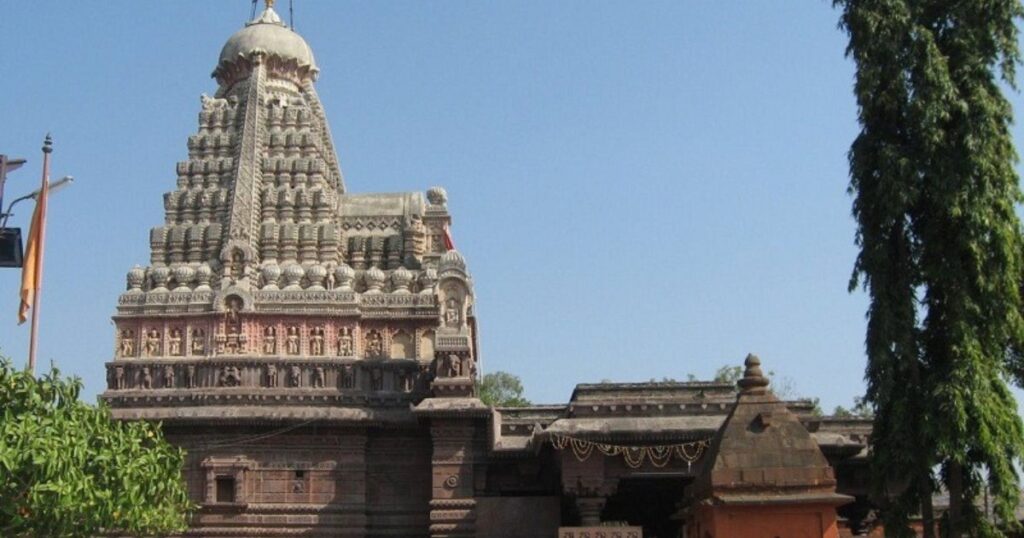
x: 275, y: 299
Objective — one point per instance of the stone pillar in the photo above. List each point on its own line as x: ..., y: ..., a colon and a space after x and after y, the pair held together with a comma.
x: 452, y: 506
x: 351, y: 486
x: 590, y: 510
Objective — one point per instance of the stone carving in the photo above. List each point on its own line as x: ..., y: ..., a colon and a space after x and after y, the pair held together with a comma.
x: 345, y: 347
x: 292, y: 340
x: 405, y: 379
x: 271, y: 375
x: 146, y: 378
x: 374, y: 344
x: 376, y: 379
x: 348, y: 376
x: 237, y: 267
x: 316, y: 341
x: 427, y: 280
x: 118, y: 377
x: 269, y: 340
x: 270, y: 274
x: 234, y: 340
x: 318, y: 377
x: 453, y: 365
x: 212, y: 103
x: 295, y: 376
x: 126, y: 348
x: 190, y: 376
x: 400, y: 280
x: 198, y: 342
x: 437, y: 196
x: 374, y: 280
x: 169, y: 377
x: 136, y: 278
x: 452, y: 313
x: 174, y: 342
x: 415, y: 236
x: 345, y: 276
x: 153, y: 343
x: 230, y: 376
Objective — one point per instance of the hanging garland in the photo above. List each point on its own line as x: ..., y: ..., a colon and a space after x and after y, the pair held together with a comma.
x: 634, y: 456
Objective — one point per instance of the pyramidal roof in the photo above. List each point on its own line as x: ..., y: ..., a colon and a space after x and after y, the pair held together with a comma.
x: 262, y: 190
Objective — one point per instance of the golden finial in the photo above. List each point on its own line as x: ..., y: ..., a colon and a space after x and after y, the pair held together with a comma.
x: 270, y: 4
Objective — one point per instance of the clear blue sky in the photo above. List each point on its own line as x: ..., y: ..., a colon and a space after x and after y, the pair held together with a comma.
x: 642, y: 189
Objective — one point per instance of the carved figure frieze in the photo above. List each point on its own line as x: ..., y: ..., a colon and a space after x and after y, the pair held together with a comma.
x: 169, y: 377
x: 295, y: 376
x: 292, y: 340
x: 318, y: 377
x: 269, y: 340
x: 347, y: 377
x: 271, y: 375
x: 198, y: 342
x: 118, y: 378
x: 376, y: 379
x: 229, y: 376
x: 126, y: 348
x: 153, y: 343
x: 452, y: 313
x: 190, y: 376
x: 316, y: 341
x: 146, y: 378
x: 453, y: 365
x: 374, y: 344
x: 174, y: 342
x: 345, y: 342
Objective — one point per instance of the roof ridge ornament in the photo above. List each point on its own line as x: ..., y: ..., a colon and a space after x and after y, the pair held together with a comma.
x: 753, y: 381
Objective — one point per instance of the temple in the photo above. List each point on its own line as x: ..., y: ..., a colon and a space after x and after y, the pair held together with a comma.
x: 315, y: 353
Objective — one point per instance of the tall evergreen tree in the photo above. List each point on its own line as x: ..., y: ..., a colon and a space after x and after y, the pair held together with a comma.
x: 935, y: 191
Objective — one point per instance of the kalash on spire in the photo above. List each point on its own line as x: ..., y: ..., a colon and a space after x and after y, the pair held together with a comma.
x: 273, y: 296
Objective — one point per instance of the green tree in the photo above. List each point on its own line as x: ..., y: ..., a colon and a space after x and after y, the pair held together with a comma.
x: 935, y: 191
x: 502, y: 389
x: 861, y: 409
x: 68, y: 470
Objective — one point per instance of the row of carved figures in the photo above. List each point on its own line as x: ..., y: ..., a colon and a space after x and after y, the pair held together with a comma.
x: 288, y: 276
x: 291, y: 342
x: 271, y: 376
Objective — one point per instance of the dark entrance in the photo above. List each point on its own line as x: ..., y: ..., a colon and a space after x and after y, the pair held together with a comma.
x: 649, y: 502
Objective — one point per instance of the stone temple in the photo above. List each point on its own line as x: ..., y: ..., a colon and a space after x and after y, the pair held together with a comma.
x: 314, y: 351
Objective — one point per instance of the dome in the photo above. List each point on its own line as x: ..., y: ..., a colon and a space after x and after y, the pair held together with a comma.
x: 269, y: 34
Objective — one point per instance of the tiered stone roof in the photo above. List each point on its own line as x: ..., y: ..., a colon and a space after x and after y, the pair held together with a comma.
x: 263, y: 255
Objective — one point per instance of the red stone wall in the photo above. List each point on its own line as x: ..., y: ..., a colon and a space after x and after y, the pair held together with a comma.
x: 793, y: 521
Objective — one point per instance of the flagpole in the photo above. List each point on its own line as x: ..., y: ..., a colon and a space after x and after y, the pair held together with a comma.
x: 34, y: 339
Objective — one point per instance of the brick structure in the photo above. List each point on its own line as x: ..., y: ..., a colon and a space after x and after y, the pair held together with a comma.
x: 314, y: 351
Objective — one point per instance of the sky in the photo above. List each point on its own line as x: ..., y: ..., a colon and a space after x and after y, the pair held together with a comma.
x: 643, y: 190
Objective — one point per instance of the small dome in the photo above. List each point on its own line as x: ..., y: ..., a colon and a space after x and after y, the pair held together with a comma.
x: 452, y: 258
x: 269, y: 34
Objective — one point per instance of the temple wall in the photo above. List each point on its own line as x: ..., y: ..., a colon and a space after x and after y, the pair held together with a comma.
x: 768, y: 521
x: 517, y: 517
x: 335, y: 483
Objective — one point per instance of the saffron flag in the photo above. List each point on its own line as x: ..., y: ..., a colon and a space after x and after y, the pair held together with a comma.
x: 448, y: 243
x: 32, y: 272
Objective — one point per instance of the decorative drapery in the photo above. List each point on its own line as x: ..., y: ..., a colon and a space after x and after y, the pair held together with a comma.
x: 634, y: 456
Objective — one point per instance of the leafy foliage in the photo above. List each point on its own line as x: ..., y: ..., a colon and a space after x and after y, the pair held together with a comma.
x: 861, y: 409
x: 935, y: 191
x: 68, y: 470
x: 502, y: 389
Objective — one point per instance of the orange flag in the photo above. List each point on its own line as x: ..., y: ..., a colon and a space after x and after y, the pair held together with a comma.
x: 32, y: 272
x: 448, y: 243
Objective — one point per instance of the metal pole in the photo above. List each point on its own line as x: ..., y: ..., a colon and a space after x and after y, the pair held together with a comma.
x: 36, y: 296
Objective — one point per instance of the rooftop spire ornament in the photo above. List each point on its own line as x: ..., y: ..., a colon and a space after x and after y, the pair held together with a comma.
x: 753, y: 381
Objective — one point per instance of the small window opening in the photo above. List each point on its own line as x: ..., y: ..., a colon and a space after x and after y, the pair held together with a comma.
x: 225, y: 489
x: 299, y: 475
